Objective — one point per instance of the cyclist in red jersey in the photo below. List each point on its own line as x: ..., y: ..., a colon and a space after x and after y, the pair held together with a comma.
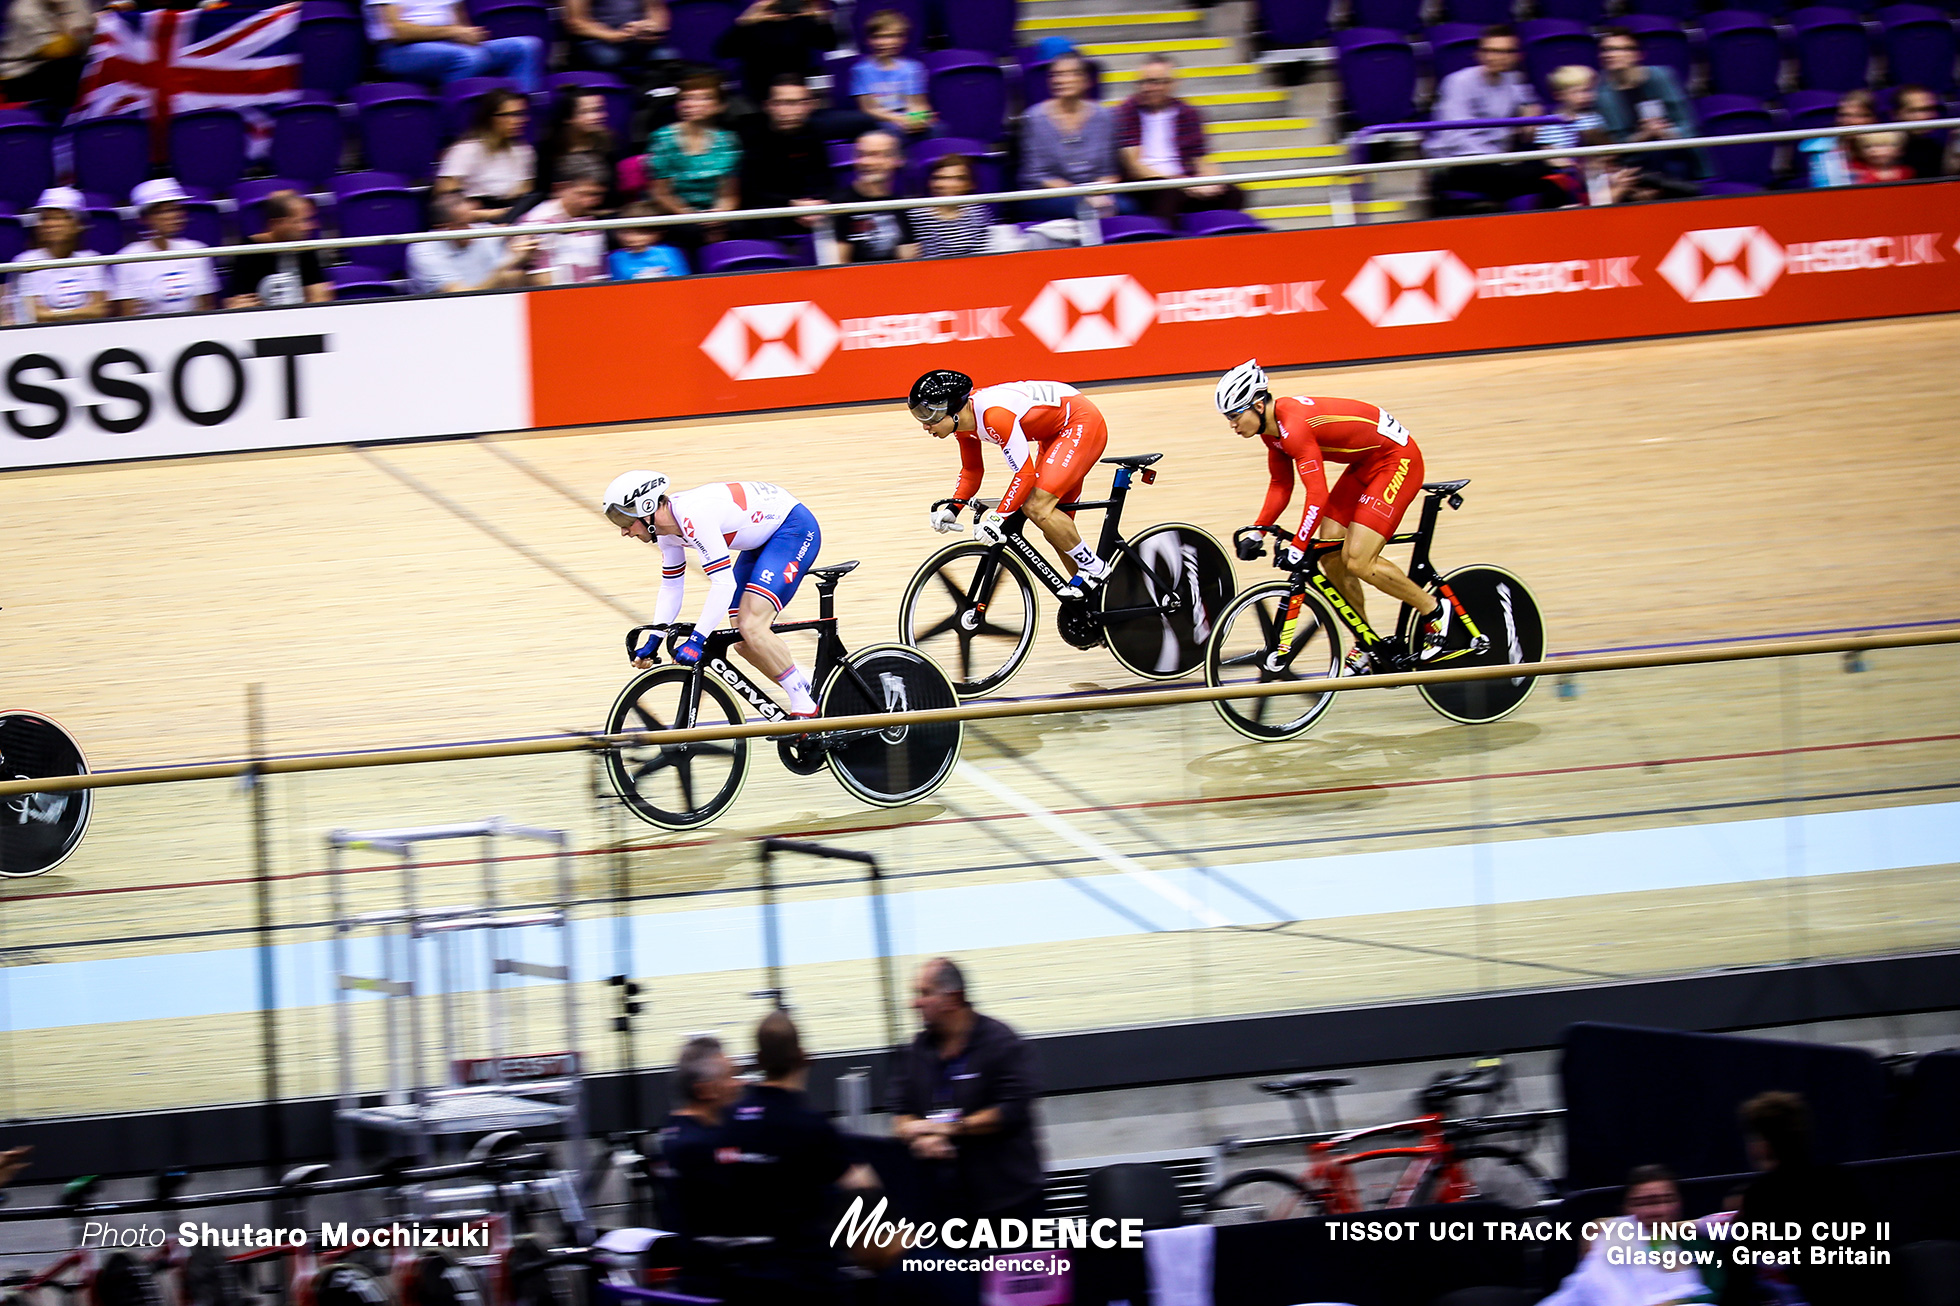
x: 1050, y: 435
x: 1384, y: 474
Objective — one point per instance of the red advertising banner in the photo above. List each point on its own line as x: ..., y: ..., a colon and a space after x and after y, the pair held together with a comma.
x: 845, y: 335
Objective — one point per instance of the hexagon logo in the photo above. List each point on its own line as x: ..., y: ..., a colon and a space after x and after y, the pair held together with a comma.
x: 1082, y: 313
x: 755, y: 341
x: 1723, y: 263
x: 1420, y: 288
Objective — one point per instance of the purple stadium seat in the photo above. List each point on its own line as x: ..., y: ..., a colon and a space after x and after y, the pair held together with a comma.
x: 103, y: 229
x: 509, y: 18
x: 1378, y: 72
x: 981, y: 25
x: 843, y: 154
x: 1451, y: 46
x: 307, y: 139
x: 332, y: 49
x: 13, y: 236
x: 1918, y: 47
x: 744, y: 256
x: 912, y: 179
x: 377, y: 204
x: 1034, y: 79
x: 1119, y: 231
x: 1810, y: 109
x: 1832, y: 51
x: 111, y: 155
x: 1388, y: 15
x: 459, y: 101
x: 969, y: 92
x: 695, y: 26
x: 1662, y: 42
x: 1679, y: 10
x: 1749, y: 165
x: 26, y: 161
x: 1587, y: 13
x: 1296, y: 24
x: 401, y: 128
x: 1481, y: 12
x: 207, y: 148
x: 1744, y: 54
x: 619, y: 98
x: 1552, y: 43
x: 357, y: 281
x: 912, y: 9
x: 249, y: 196
x: 1219, y: 222
x: 203, y: 220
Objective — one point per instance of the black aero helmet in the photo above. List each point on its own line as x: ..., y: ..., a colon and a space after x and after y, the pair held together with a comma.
x: 938, y: 393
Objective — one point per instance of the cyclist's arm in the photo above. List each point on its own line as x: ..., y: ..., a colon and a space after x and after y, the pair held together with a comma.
x: 1306, y: 464
x: 1022, y: 483
x: 673, y: 581
x: 718, y: 565
x: 972, y: 466
x: 1280, y: 468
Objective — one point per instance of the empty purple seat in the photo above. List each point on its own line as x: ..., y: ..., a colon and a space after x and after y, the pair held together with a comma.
x: 332, y: 50
x: 1551, y: 44
x: 1378, y: 75
x: 1587, y: 13
x: 1388, y: 15
x: 359, y: 281
x: 1810, y: 109
x: 969, y: 93
x: 695, y: 25
x: 1919, y: 47
x: 26, y: 161
x: 1121, y: 230
x: 1679, y: 10
x: 307, y: 139
x: 1219, y: 222
x: 459, y: 100
x: 377, y: 204
x: 744, y: 256
x: 1749, y: 164
x: 1744, y: 54
x: 510, y: 18
x: 1480, y: 12
x: 1833, y: 53
x: 249, y: 196
x: 111, y: 155
x: 13, y: 236
x: 843, y: 154
x: 207, y: 148
x: 1663, y: 43
x: 981, y: 25
x: 1296, y: 24
x: 1452, y: 46
x: 401, y: 128
x: 103, y: 229
x: 204, y: 220
x: 915, y: 10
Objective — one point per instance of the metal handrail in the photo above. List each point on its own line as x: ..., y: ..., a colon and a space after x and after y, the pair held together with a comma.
x: 1338, y: 171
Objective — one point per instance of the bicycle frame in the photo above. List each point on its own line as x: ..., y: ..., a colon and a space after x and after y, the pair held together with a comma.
x: 1030, y: 557
x: 1328, y: 1176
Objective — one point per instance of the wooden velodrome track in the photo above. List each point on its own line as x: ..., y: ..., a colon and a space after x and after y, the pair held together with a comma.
x: 1697, y: 489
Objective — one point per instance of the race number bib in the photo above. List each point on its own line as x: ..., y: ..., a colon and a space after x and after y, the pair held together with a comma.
x: 1393, y: 429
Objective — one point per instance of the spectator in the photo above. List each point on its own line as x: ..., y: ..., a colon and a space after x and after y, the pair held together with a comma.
x: 1652, y: 1197
x: 1878, y: 157
x: 44, y: 46
x: 691, y: 1197
x: 693, y: 164
x: 1641, y: 103
x: 1827, y: 159
x: 433, y: 41
x: 875, y: 237
x: 1493, y: 89
x: 60, y: 294
x: 1068, y: 140
x: 449, y: 266
x: 949, y: 230
x: 578, y: 129
x: 618, y: 36
x: 568, y: 258
x: 1923, y: 149
x: 492, y: 164
x: 774, y: 39
x: 887, y: 85
x: 784, y: 162
x: 1159, y: 135
x: 270, y: 280
x: 641, y: 256
x: 963, y: 1099
x: 166, y: 285
x: 1577, y: 125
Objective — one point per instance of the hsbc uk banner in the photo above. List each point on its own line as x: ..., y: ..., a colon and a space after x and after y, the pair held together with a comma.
x: 856, y: 334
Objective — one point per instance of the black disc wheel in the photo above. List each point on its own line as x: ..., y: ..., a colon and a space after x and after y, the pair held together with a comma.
x: 902, y: 764
x: 1508, y: 619
x: 208, y: 1279
x: 1259, y: 1195
x: 971, y: 609
x: 441, y: 1281
x: 123, y: 1280
x: 1245, y: 651
x: 676, y: 786
x: 1493, y: 1173
x: 1163, y: 595
x: 346, y: 1284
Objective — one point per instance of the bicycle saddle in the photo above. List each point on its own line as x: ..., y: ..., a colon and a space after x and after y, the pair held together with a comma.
x: 834, y: 570
x: 1445, y: 487
x: 1133, y: 460
x: 1303, y: 1084
x: 301, y: 1175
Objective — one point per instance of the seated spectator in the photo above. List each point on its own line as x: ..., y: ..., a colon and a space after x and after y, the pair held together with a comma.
x: 1642, y: 103
x: 1877, y: 157
x: 1492, y: 89
x: 693, y: 164
x: 449, y: 266
x: 1577, y: 125
x: 774, y: 39
x: 1068, y: 140
x: 784, y: 162
x: 874, y: 237
x: 950, y: 229
x: 618, y: 36
x: 1827, y: 159
x: 1923, y: 152
x: 641, y: 256
x: 492, y: 164
x: 1652, y: 1197
x: 887, y: 85
x: 1159, y: 135
x: 578, y: 129
x: 60, y: 294
x: 44, y: 46
x: 270, y: 280
x: 433, y: 41
x: 568, y: 258
x: 166, y: 285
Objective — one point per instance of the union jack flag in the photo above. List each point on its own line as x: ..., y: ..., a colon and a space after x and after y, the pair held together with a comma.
x: 169, y: 61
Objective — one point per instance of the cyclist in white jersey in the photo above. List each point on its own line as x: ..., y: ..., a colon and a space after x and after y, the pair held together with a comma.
x: 777, y: 539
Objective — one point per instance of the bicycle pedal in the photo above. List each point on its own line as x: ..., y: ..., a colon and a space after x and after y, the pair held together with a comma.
x: 1481, y: 644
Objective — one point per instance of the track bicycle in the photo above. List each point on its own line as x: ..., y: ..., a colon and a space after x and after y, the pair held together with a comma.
x: 1439, y: 1159
x: 119, y: 1278
x: 972, y: 606
x: 1291, y: 630
x: 683, y: 786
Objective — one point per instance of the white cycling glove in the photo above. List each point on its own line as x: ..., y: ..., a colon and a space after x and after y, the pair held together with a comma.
x: 1291, y: 554
x: 944, y: 519
x: 991, y: 528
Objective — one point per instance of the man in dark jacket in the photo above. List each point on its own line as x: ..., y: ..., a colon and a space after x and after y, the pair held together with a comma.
x: 784, y: 161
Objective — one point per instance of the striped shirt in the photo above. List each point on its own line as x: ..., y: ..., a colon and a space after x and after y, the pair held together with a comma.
x: 963, y: 233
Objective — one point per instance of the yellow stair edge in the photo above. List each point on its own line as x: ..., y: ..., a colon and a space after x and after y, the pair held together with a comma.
x: 1161, y: 45
x: 1231, y: 126
x: 1190, y: 70
x: 1277, y: 153
x: 1154, y: 18
x: 1323, y: 210
x: 1291, y: 183
x: 1211, y: 99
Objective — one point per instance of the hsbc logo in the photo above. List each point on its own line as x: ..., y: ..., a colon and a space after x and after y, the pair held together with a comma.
x: 1083, y: 313
x: 1419, y: 288
x: 1723, y: 263
x: 757, y: 341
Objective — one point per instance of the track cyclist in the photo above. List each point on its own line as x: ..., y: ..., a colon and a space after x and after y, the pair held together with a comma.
x: 777, y: 538
x: 1050, y: 434
x: 1384, y: 474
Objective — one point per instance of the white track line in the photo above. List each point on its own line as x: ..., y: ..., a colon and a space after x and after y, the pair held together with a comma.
x: 1149, y: 879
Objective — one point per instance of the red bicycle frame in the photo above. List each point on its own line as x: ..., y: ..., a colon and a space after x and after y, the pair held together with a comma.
x: 1329, y: 1180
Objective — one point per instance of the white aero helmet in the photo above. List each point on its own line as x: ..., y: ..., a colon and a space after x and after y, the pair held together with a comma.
x: 634, y: 494
x: 1240, y: 386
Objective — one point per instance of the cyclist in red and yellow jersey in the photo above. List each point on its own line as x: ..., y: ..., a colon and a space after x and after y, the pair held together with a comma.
x: 1383, y: 476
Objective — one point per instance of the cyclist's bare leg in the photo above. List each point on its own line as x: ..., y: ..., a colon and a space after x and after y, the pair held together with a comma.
x: 1360, y: 559
x: 763, y: 649
x: 1045, y: 510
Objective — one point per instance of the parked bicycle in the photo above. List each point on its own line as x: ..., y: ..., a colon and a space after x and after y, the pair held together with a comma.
x: 1440, y: 1159
x: 1291, y: 630
x: 684, y: 786
x: 972, y: 606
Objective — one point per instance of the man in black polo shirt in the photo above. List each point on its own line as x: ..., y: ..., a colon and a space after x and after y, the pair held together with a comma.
x: 691, y: 1193
x: 784, y: 162
x: 964, y: 1101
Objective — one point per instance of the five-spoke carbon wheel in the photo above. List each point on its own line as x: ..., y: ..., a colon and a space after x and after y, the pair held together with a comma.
x: 676, y: 786
x: 971, y: 609
x: 1243, y: 652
